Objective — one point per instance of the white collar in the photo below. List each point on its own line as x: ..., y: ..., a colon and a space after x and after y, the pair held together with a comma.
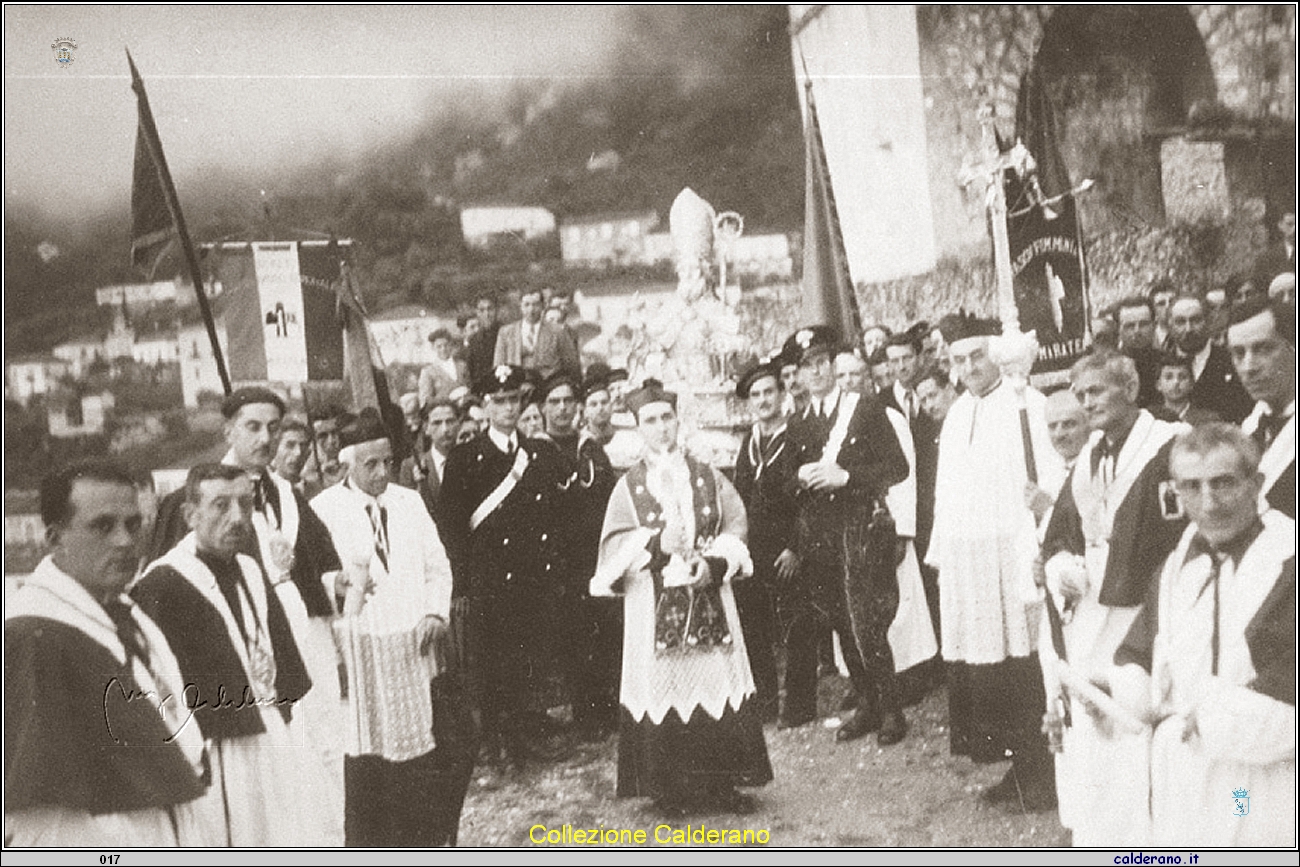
x: 438, y: 459
x: 50, y: 577
x: 505, y: 444
x: 826, y: 404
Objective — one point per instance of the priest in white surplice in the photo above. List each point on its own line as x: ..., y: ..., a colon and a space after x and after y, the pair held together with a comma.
x: 984, y: 544
x: 396, y: 594
x: 673, y: 540
x: 1100, y: 773
x: 1210, y: 662
x: 241, y: 666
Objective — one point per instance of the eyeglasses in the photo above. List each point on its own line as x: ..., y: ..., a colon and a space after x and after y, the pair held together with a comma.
x: 1217, y: 485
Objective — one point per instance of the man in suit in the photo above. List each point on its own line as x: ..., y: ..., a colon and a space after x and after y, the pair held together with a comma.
x: 535, y: 345
x: 1137, y: 331
x: 503, y: 497
x: 762, y: 473
x: 1217, y: 387
x: 482, y: 344
x: 847, y: 457
x: 445, y: 374
x: 1261, y: 339
x: 424, y: 471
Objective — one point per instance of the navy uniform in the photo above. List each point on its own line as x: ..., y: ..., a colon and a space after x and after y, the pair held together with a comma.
x: 503, y: 509
x: 846, y: 548
x: 590, y: 630
x: 763, y: 474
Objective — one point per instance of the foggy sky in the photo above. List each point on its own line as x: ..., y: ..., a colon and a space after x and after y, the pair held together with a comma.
x: 254, y: 88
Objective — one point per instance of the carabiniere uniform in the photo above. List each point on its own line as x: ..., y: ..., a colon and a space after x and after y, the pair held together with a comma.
x: 507, y: 560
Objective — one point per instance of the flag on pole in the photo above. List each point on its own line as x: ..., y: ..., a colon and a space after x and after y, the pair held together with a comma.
x: 1047, y: 263
x: 280, y: 300
x: 156, y: 218
x: 828, y: 297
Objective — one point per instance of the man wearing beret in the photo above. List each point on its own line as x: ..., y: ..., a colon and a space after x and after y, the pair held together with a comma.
x: 504, y: 497
x: 847, y: 457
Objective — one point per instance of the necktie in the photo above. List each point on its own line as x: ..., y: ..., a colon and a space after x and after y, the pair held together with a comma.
x: 378, y: 524
x: 1103, y: 462
x: 1270, y: 425
x: 128, y: 631
x: 1216, y: 567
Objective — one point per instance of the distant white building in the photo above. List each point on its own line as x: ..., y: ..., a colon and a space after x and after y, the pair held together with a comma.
x: 607, y: 239
x: 72, y: 415
x: 198, y: 366
x: 80, y: 353
x: 161, y: 349
x: 29, y: 375
x: 136, y: 294
x: 480, y: 224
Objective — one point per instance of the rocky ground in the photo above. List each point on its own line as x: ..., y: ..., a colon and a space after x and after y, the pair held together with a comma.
x: 914, y: 794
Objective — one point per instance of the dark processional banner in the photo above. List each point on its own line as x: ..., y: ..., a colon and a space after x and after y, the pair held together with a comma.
x: 1047, y: 262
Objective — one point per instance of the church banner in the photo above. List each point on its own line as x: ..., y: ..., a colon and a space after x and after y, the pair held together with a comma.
x: 1050, y: 274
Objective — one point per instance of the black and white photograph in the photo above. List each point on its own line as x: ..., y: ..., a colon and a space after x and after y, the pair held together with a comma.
x: 650, y: 427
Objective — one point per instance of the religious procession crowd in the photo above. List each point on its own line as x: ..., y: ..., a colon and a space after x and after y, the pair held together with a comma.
x: 335, y: 623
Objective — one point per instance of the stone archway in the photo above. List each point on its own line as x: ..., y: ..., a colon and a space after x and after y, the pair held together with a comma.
x: 1121, y: 79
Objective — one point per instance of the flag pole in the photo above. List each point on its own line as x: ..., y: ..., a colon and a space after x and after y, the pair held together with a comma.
x: 154, y: 144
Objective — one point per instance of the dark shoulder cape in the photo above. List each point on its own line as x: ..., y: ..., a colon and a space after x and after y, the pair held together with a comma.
x: 313, y: 551
x: 1147, y: 527
x: 77, y: 731
x: 209, y: 663
x: 1270, y: 637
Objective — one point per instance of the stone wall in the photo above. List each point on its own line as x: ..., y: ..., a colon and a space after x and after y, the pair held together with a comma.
x: 1123, y: 133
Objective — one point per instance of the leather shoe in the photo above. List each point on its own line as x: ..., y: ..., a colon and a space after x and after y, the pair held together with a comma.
x: 793, y: 721
x: 860, y: 724
x: 893, y: 729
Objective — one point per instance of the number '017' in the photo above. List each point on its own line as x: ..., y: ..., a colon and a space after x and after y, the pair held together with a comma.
x: 109, y: 859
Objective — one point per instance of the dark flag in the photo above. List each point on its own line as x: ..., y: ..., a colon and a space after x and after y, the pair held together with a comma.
x: 156, y: 218
x: 828, y: 297
x: 1047, y: 260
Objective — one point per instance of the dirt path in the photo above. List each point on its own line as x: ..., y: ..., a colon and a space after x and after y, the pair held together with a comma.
x: 914, y: 794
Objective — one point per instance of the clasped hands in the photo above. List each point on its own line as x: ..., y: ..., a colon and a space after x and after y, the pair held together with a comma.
x: 823, y: 476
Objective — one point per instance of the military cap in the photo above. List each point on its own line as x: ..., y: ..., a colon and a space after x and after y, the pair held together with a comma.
x: 242, y: 397
x: 502, y: 378
x: 807, y: 342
